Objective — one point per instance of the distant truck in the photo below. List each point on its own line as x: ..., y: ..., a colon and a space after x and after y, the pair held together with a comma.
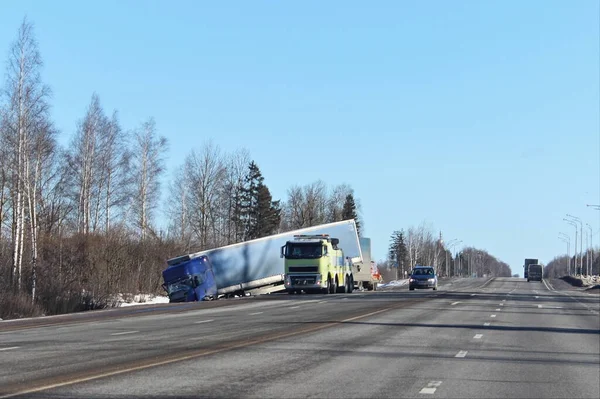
x: 315, y: 263
x: 528, y: 261
x: 535, y: 272
x: 251, y: 267
x: 365, y: 272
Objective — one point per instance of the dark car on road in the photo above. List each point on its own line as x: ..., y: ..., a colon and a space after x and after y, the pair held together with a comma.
x: 423, y: 277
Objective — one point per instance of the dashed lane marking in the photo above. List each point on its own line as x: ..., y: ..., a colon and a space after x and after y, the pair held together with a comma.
x: 461, y: 354
x: 9, y: 348
x: 486, y: 324
x: 203, y: 321
x: 455, y: 303
x: 478, y: 336
x: 256, y: 313
x: 431, y: 387
x: 493, y: 315
x: 125, y: 333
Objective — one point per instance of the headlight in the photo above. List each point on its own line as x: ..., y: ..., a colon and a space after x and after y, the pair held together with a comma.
x: 432, y: 280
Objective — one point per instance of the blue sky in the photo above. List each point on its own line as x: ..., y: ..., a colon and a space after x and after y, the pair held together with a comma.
x: 481, y: 118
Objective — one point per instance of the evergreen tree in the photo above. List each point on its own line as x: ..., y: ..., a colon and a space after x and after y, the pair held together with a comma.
x: 398, y: 253
x: 349, y: 211
x: 259, y: 214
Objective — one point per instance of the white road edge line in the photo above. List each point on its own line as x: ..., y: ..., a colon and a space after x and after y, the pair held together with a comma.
x: 548, y: 285
x: 203, y: 321
x: 478, y: 336
x: 293, y: 307
x: 125, y: 332
x: 9, y: 348
x: 461, y: 354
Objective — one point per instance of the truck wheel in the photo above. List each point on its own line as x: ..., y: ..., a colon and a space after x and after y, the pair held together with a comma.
x: 374, y: 286
x: 332, y: 286
x: 351, y: 286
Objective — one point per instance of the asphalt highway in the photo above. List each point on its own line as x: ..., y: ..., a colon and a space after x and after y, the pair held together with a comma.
x: 473, y: 338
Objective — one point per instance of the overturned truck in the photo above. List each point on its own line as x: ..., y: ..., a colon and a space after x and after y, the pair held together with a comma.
x: 250, y: 267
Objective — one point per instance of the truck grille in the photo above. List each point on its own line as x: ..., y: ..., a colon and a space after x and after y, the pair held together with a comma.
x: 304, y: 269
x: 303, y: 280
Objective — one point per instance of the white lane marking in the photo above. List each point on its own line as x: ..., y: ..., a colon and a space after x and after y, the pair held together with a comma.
x: 322, y: 301
x: 461, y: 354
x: 478, y: 336
x: 293, y: 307
x: 203, y: 321
x: 504, y: 300
x: 537, y: 297
x: 125, y: 332
x: 493, y: 315
x: 501, y: 304
x: 497, y: 310
x: 486, y: 324
x: 9, y: 348
x: 431, y: 387
x: 255, y: 313
x: 539, y: 306
x: 454, y: 303
x: 473, y: 294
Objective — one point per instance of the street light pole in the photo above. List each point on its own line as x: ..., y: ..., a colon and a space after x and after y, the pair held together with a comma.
x: 581, y: 241
x: 572, y: 223
x: 590, y: 263
x: 567, y: 239
x: 568, y: 253
x: 449, y: 244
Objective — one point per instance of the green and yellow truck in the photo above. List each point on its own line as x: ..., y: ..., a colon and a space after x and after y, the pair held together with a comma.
x: 315, y: 263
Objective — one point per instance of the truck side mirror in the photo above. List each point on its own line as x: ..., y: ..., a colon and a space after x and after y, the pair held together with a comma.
x: 282, y: 255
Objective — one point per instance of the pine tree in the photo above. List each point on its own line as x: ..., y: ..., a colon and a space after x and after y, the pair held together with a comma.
x: 398, y: 253
x: 259, y: 213
x: 349, y: 211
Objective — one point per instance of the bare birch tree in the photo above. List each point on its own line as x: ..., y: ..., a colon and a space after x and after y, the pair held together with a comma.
x: 204, y: 171
x: 147, y: 167
x: 84, y: 163
x: 26, y: 117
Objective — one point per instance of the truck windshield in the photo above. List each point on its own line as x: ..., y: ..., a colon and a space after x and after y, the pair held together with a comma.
x: 304, y: 251
x: 183, y: 284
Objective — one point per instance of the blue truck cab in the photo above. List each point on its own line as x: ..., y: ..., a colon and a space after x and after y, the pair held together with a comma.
x: 189, y: 279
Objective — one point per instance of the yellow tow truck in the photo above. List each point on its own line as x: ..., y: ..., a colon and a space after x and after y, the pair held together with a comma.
x: 315, y: 263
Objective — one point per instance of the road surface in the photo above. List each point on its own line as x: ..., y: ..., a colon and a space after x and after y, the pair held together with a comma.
x: 473, y: 338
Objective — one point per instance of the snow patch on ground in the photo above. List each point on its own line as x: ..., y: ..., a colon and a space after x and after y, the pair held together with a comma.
x: 393, y: 283
x: 124, y: 300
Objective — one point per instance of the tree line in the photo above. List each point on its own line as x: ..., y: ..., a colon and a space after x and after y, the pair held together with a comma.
x: 563, y: 265
x: 79, y: 224
x: 420, y: 246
